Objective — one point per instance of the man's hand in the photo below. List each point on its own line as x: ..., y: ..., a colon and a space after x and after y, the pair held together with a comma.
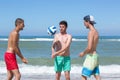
x: 81, y: 54
x: 53, y: 55
x: 24, y: 60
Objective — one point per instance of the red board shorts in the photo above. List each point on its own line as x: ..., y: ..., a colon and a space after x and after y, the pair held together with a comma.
x: 10, y: 60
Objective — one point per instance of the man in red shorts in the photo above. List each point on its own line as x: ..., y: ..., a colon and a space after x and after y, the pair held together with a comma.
x: 12, y: 50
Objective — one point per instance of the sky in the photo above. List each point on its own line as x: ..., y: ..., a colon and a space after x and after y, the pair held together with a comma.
x: 40, y: 14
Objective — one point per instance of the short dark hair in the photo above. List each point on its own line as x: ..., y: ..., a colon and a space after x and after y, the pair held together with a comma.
x: 18, y: 21
x: 64, y: 23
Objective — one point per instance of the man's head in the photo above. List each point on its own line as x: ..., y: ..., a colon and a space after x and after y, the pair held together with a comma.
x: 19, y: 23
x: 63, y: 26
x: 89, y: 20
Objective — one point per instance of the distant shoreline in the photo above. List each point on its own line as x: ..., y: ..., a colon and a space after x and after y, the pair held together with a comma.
x: 83, y: 37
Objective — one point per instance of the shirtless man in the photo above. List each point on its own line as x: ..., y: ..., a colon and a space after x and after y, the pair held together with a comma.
x: 61, y: 52
x: 12, y: 50
x: 91, y: 65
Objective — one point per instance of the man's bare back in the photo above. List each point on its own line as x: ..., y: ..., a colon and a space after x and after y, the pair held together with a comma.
x: 12, y: 42
x: 93, y: 35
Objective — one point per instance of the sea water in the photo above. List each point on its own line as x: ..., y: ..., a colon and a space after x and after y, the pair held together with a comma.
x: 37, y: 49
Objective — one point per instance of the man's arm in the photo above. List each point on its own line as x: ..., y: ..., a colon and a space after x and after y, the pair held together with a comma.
x: 53, y: 44
x: 65, y: 47
x: 89, y: 46
x: 16, y: 48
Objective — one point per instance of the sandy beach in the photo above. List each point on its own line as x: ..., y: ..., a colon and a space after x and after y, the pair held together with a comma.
x: 73, y: 77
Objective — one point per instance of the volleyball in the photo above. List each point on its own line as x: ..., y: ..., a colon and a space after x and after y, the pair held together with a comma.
x: 51, y: 30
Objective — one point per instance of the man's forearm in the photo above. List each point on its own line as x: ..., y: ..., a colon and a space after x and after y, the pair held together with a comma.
x: 53, y: 51
x: 86, y: 51
x: 19, y: 53
x: 60, y: 51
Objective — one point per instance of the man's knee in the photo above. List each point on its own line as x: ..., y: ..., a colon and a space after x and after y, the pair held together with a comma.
x: 97, y: 77
x: 18, y: 75
x: 10, y: 77
x: 84, y: 77
x: 67, y: 76
x: 58, y: 74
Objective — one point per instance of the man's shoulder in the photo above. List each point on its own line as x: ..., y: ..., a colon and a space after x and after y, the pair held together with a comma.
x: 14, y: 33
x: 91, y: 32
x: 56, y: 35
x: 69, y: 35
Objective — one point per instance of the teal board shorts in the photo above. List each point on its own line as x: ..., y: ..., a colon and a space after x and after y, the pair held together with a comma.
x: 91, y: 65
x: 62, y: 63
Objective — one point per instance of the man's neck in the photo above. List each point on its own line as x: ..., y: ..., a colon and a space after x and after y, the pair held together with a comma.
x: 16, y: 29
x: 63, y: 33
x: 91, y: 27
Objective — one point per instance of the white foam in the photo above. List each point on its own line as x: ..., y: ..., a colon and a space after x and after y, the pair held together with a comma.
x: 42, y: 39
x: 103, y: 69
x: 51, y: 39
x: 111, y: 40
x: 33, y: 39
x: 3, y: 39
x: 36, y: 70
x: 74, y: 39
x: 37, y: 39
x: 110, y: 69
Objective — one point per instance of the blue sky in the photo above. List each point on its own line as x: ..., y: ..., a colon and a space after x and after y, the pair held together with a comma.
x: 39, y: 14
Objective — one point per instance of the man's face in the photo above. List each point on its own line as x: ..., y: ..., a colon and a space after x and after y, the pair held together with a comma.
x: 21, y: 26
x: 86, y: 24
x: 62, y: 28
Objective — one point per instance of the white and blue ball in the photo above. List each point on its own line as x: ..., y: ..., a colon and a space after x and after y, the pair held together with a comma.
x: 51, y: 30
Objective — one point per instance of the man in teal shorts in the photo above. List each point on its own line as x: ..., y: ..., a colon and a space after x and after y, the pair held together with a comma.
x: 90, y: 65
x: 61, y: 52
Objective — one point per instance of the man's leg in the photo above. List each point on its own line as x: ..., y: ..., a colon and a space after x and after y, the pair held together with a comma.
x: 9, y: 75
x: 97, y: 77
x: 84, y: 78
x: 97, y: 73
x: 16, y: 74
x: 67, y: 75
x: 58, y: 74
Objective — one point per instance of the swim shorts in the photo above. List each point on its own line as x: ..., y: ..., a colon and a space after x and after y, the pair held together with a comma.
x: 91, y: 65
x: 62, y: 63
x: 10, y: 60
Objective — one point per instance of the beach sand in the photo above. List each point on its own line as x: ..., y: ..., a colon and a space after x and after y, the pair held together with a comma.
x: 73, y: 77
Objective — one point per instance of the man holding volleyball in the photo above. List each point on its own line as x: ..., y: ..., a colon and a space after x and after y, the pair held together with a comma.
x: 61, y: 51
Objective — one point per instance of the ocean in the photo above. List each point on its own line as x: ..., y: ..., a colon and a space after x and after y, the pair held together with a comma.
x: 37, y: 49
